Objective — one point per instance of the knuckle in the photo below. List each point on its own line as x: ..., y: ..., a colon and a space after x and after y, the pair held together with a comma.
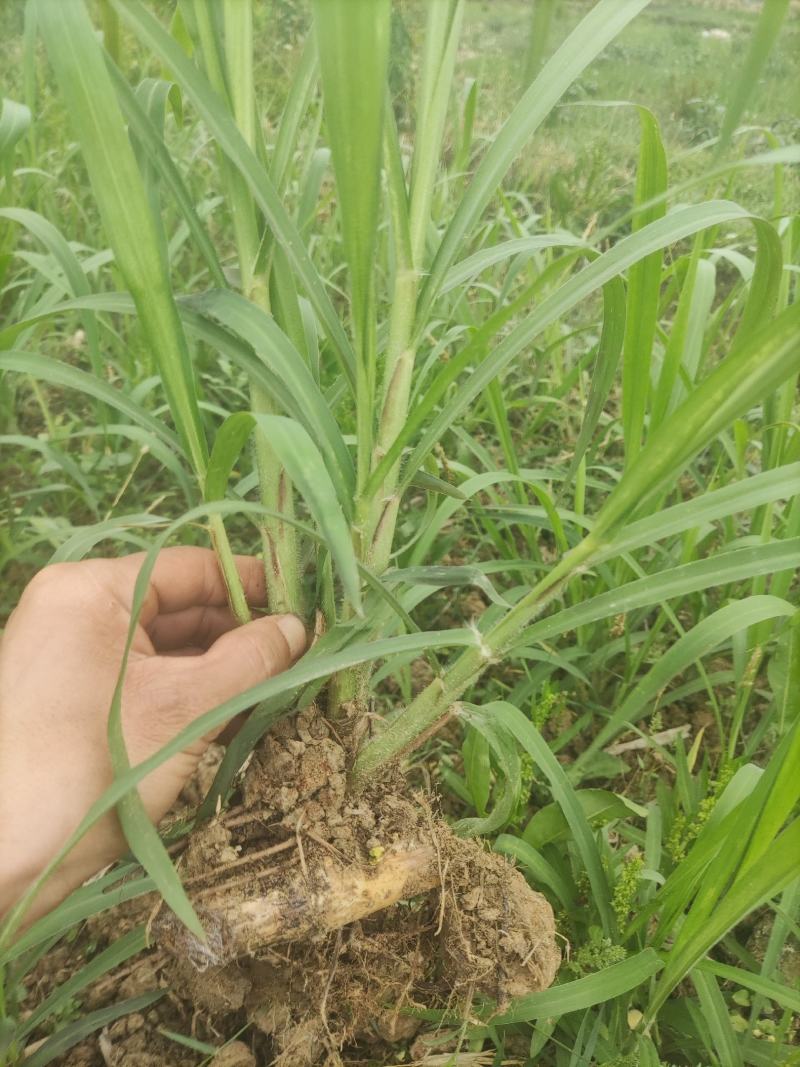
x: 50, y: 581
x: 262, y: 655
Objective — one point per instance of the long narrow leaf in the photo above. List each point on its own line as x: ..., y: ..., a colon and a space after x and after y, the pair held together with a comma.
x: 698, y: 642
x: 119, y: 190
x: 65, y: 1039
x: 585, y: 43
x: 301, y: 458
x: 219, y: 121
x: 644, y: 282
x: 531, y: 740
x: 595, y: 988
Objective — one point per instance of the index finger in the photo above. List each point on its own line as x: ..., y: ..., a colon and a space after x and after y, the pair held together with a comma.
x: 185, y: 577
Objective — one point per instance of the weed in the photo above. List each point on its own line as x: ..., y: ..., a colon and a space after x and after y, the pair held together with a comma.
x: 524, y: 355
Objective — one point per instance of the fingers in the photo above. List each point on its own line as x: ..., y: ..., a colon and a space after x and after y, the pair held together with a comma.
x: 185, y: 577
x: 237, y: 661
x: 197, y: 627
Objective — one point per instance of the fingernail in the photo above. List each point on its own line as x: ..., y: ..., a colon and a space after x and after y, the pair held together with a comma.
x: 294, y: 631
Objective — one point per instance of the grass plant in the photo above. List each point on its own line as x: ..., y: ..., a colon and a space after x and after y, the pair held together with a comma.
x: 374, y: 348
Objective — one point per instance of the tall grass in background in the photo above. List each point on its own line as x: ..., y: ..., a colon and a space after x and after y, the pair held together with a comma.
x: 355, y: 350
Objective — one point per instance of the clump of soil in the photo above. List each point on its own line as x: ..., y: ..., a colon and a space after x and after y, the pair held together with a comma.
x: 329, y: 914
x: 330, y: 917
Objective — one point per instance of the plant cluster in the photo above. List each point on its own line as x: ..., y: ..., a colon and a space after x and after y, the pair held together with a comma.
x: 345, y: 338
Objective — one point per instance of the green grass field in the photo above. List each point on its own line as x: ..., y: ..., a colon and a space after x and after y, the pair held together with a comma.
x: 531, y: 369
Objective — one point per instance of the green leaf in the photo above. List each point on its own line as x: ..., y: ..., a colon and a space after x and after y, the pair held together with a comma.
x: 655, y: 588
x: 781, y: 994
x: 50, y: 370
x: 600, y: 807
x: 781, y: 483
x: 605, y: 367
x: 679, y: 224
x: 79, y: 285
x: 761, y: 884
x: 540, y: 871
x: 70, y: 1035
x: 758, y: 366
x: 119, y: 191
x: 783, y: 672
x: 83, y: 903
x: 353, y: 46
x: 140, y: 833
x: 606, y: 19
x: 308, y: 405
x: 715, y: 1014
x: 442, y: 30
x: 502, y: 745
x: 115, y: 955
x: 596, y: 988
x: 476, y: 754
x: 644, y: 284
x: 202, y: 1047
x: 15, y: 121
x: 56, y: 457
x: 506, y: 715
x: 684, y: 346
x: 707, y: 635
x: 216, y: 115
x: 431, y: 484
x: 744, y: 81
x: 542, y: 12
x: 141, y: 126
x: 304, y: 464
x: 55, y: 243
x: 443, y: 577
x: 468, y: 269
x: 301, y: 93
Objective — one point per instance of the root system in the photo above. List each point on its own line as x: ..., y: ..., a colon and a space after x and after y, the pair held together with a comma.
x: 332, y: 918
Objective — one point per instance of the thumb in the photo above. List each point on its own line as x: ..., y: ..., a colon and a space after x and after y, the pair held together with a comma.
x: 241, y: 659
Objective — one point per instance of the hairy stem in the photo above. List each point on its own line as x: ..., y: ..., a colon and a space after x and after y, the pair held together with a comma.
x: 432, y: 706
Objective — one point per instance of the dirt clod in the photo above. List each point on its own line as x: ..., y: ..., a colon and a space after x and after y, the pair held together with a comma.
x: 329, y: 916
x: 237, y: 1054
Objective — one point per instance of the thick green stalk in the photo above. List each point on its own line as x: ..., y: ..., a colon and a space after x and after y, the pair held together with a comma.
x: 427, y: 712
x: 410, y: 220
x: 278, y: 537
x: 761, y: 364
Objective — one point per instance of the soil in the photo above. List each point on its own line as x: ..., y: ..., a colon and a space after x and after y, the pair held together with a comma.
x: 330, y: 917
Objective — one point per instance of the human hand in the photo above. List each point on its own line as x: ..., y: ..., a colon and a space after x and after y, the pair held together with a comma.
x: 59, y: 660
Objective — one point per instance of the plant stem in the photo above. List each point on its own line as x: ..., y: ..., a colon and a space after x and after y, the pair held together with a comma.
x: 382, y: 516
x: 428, y: 710
x: 233, y: 583
x: 376, y: 514
x: 278, y: 537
